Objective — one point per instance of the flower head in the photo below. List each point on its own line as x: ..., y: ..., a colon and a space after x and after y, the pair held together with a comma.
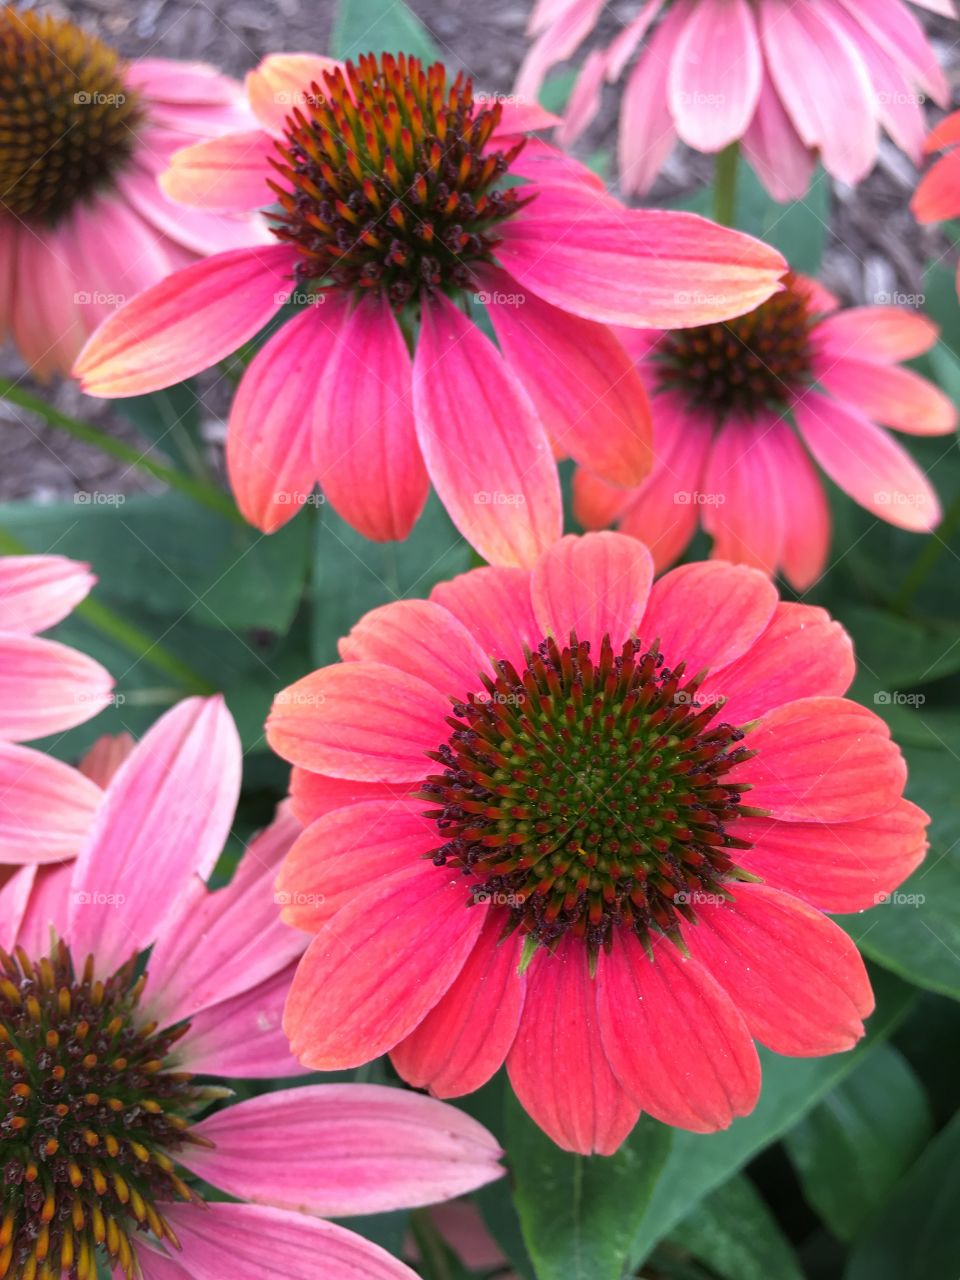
x: 741, y: 407
x: 83, y: 224
x: 575, y: 820
x: 405, y: 204
x: 794, y: 82
x: 153, y: 981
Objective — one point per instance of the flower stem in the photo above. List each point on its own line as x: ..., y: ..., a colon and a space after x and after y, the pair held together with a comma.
x: 123, y: 633
x: 433, y: 1252
x: 928, y: 557
x: 206, y: 494
x: 725, y: 185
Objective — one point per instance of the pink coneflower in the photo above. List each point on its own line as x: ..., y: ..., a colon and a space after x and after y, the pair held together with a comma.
x: 730, y: 457
x: 794, y: 80
x: 107, y: 1127
x: 394, y: 223
x: 937, y: 196
x: 530, y: 841
x: 83, y: 223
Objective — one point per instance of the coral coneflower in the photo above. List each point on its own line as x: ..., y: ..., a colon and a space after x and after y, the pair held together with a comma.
x: 937, y: 196
x: 729, y: 457
x: 83, y: 222
x: 399, y: 213
x: 794, y: 81
x: 589, y: 825
x: 114, y: 1058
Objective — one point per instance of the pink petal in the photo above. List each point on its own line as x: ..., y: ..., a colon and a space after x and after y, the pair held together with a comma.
x: 837, y: 866
x: 802, y: 653
x: 423, y: 639
x: 243, y: 1037
x: 342, y: 1149
x: 796, y: 977
x: 314, y: 794
x: 187, y: 322
x: 200, y: 231
x: 595, y: 585
x: 822, y: 759
x: 46, y: 687
x: 583, y: 384
x: 362, y: 844
x: 379, y: 966
x: 745, y: 518
x: 707, y: 615
x: 558, y: 42
x: 167, y: 80
x: 715, y: 74
x: 549, y: 167
x: 47, y: 907
x: 46, y: 807
x: 823, y: 84
x: 896, y: 397
x: 15, y: 893
x: 46, y: 319
x: 227, y: 174
x: 281, y: 82
x: 584, y: 102
x: 121, y: 255
x: 8, y: 264
x: 361, y: 720
x: 364, y: 441
x: 639, y: 267
x: 673, y: 1037
x: 269, y: 450
x: 105, y: 757
x: 164, y: 819
x: 623, y: 46
x: 806, y: 515
x: 252, y: 1242
x: 495, y: 606
x: 224, y: 943
x: 557, y: 1065
x: 938, y: 195
x: 902, y: 38
x: 464, y: 1039
x: 499, y: 482
x: 866, y: 464
x: 884, y: 334
x: 597, y: 503
x: 518, y: 117
x: 647, y: 132
x: 37, y: 592
x: 783, y: 163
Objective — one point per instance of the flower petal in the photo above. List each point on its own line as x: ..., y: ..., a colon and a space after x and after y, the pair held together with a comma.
x: 896, y: 397
x: 883, y: 334
x: 495, y: 606
x: 796, y: 977
x: 647, y: 132
x: 226, y: 174
x: 37, y: 592
x: 46, y: 807
x: 806, y: 514
x: 595, y: 585
x: 281, y: 81
x: 186, y: 323
x: 715, y: 74
x: 314, y: 794
x: 498, y: 481
x: 783, y: 162
x: 423, y: 639
x: 46, y: 687
x: 673, y: 1037
x: 342, y: 1149
x: 745, y: 519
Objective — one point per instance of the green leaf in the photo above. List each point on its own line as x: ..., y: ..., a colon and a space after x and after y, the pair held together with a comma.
x: 380, y: 25
x: 699, y: 1163
x: 580, y: 1213
x: 352, y: 575
x: 170, y: 419
x: 916, y: 1235
x: 852, y: 1150
x: 737, y: 1236
x: 900, y: 653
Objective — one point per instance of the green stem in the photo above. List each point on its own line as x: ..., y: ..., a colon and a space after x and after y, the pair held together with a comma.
x: 725, y: 185
x: 206, y: 494
x: 928, y: 557
x: 124, y: 633
x: 433, y: 1252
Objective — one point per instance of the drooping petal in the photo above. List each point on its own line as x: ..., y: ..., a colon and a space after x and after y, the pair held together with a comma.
x: 806, y: 514
x: 196, y: 230
x: 801, y: 654
x: 164, y: 819
x: 866, y: 463
x: 379, y: 966
x: 364, y: 442
x: 900, y: 35
x: 647, y: 132
x: 821, y: 759
x: 186, y: 323
x: 227, y: 174
x: 422, y: 638
x: 715, y: 74
x: 884, y: 334
x: 269, y: 449
x: 497, y: 480
x: 254, y: 1242
x: 837, y: 866
x: 559, y: 41
x: 597, y: 504
x: 583, y: 384
x: 742, y: 484
x: 359, y: 720
x: 495, y: 606
x: 340, y: 1149
x: 783, y: 162
x: 896, y: 397
x: 937, y: 197
x: 558, y: 1067
x: 796, y: 977
x: 673, y: 1037
x: 707, y: 615
x: 46, y: 807
x: 465, y: 1038
x: 37, y: 592
x: 595, y: 585
x: 46, y: 687
x: 281, y: 82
